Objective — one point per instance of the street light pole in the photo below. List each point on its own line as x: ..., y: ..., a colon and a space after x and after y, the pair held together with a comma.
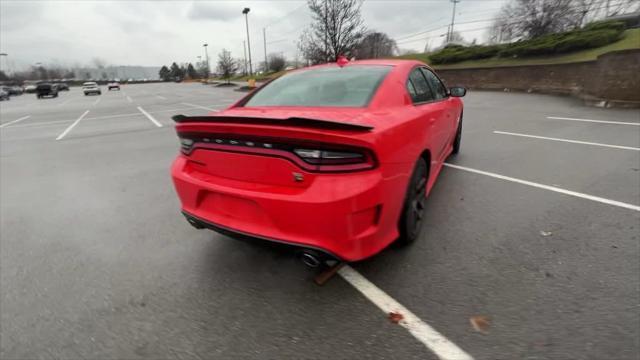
x: 246, y: 19
x: 453, y: 19
x: 264, y: 37
x: 244, y: 47
x: 206, y: 54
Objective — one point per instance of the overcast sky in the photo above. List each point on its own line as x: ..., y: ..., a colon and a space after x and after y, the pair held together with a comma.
x: 155, y: 33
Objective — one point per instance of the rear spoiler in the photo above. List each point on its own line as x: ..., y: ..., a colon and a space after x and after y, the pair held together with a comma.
x: 292, y: 121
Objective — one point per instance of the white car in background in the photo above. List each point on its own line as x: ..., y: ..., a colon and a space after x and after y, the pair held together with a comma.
x: 31, y: 88
x: 91, y: 88
x: 113, y: 85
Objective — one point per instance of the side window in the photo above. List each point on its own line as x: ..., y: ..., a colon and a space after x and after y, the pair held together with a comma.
x: 435, y: 83
x: 412, y: 90
x: 421, y: 91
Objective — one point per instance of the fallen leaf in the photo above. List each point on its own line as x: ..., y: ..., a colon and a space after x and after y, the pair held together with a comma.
x: 480, y: 323
x: 545, y: 233
x: 395, y: 317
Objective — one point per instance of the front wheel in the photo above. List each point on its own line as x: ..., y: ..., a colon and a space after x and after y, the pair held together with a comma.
x: 413, y: 210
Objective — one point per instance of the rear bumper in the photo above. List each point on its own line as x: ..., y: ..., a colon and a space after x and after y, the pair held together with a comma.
x: 240, y: 235
x: 349, y: 216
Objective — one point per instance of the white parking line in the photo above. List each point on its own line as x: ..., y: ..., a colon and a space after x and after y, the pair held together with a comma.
x: 432, y: 339
x: 153, y: 120
x: 594, y: 121
x: 96, y: 102
x: 15, y: 121
x: 568, y: 141
x: 200, y: 106
x: 161, y: 97
x: 46, y: 123
x: 66, y: 131
x: 550, y: 188
x: 41, y: 123
x: 129, y: 98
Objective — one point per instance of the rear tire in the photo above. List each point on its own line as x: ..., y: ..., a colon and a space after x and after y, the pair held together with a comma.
x: 458, y: 138
x: 412, y: 218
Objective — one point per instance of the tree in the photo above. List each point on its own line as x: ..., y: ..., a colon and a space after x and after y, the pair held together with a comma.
x: 183, y: 71
x: 175, y: 72
x: 532, y: 18
x: 277, y: 62
x: 526, y: 19
x: 227, y: 66
x: 376, y: 45
x: 455, y: 38
x: 336, y: 29
x: 201, y: 68
x: 99, y: 63
x: 191, y: 72
x: 3, y: 76
x: 164, y: 73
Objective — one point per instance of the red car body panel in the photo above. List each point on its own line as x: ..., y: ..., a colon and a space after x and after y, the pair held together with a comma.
x: 352, y: 214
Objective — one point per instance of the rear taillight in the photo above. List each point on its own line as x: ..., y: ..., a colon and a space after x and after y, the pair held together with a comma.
x: 330, y: 157
x: 309, y: 156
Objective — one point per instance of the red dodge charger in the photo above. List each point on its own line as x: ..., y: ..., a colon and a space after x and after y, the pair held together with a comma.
x: 336, y: 160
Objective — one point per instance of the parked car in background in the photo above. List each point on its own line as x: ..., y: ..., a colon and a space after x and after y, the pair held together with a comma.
x: 12, y: 90
x: 4, y: 95
x: 30, y: 89
x: 15, y: 90
x: 46, y: 89
x: 336, y: 159
x: 62, y: 86
x: 113, y: 86
x: 90, y: 88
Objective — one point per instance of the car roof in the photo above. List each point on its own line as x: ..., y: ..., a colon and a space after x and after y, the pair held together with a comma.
x: 398, y: 63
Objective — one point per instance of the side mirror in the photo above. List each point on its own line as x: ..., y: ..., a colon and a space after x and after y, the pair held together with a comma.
x: 457, y: 91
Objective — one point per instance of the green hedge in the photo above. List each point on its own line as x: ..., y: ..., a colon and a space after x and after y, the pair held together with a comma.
x: 606, y: 24
x: 593, y: 35
x: 458, y: 53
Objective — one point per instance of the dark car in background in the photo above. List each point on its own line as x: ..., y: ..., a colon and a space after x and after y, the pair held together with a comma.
x: 46, y: 89
x: 12, y: 90
x: 4, y: 95
x: 62, y: 86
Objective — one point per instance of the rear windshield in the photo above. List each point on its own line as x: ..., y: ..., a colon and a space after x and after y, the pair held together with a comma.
x: 350, y: 86
x: 89, y: 84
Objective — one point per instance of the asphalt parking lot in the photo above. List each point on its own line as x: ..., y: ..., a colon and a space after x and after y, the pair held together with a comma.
x: 534, y: 225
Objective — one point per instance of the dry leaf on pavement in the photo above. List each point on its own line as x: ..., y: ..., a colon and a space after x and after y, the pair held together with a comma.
x: 395, y: 317
x: 480, y: 323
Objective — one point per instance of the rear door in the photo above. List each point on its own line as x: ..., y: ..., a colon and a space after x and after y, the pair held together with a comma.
x: 432, y: 111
